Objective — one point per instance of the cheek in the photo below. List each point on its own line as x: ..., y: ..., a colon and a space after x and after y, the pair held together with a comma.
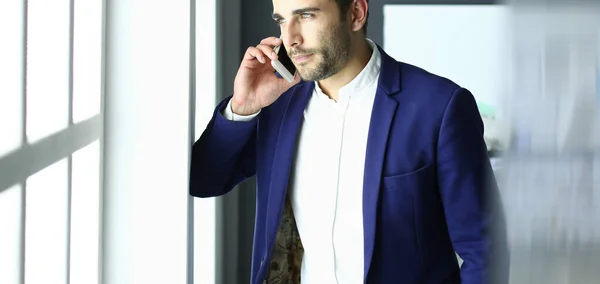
x: 313, y: 32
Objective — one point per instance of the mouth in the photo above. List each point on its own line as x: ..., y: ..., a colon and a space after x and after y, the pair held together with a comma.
x: 302, y: 58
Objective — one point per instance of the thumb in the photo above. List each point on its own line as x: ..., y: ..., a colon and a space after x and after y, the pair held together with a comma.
x: 296, y: 79
x: 285, y: 85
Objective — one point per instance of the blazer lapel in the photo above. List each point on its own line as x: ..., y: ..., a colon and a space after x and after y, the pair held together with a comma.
x: 284, y: 152
x: 382, y: 115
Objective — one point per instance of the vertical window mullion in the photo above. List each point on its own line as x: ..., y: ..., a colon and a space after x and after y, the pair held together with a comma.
x: 192, y: 126
x: 102, y: 143
x: 71, y: 36
x: 24, y: 140
x: 22, y: 237
x: 70, y: 158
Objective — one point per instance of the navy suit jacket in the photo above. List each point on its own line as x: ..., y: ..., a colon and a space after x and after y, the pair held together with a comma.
x: 429, y: 190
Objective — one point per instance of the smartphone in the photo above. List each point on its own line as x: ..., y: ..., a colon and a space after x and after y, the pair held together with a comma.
x: 284, y: 65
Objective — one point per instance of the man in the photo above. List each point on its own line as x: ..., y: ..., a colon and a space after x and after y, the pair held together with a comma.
x: 368, y: 170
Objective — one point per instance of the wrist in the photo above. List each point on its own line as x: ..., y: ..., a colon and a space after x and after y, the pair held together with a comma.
x: 241, y: 109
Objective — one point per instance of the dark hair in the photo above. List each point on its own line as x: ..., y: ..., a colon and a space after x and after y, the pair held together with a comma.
x: 344, y: 5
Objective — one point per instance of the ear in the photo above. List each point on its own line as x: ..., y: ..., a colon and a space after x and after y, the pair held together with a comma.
x: 360, y: 9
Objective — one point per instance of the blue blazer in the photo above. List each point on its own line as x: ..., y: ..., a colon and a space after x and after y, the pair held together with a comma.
x: 429, y: 190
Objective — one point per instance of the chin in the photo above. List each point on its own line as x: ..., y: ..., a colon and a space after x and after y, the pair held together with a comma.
x: 305, y: 73
x: 302, y: 74
x: 303, y: 77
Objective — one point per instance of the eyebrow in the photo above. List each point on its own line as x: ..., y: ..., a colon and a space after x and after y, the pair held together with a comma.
x: 297, y: 12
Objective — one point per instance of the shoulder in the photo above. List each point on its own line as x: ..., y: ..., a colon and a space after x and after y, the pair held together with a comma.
x: 429, y: 93
x: 424, y: 85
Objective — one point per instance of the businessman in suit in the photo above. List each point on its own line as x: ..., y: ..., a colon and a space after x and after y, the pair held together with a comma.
x: 368, y: 170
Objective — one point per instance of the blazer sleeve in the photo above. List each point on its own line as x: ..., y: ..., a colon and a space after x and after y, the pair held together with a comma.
x: 470, y: 194
x: 223, y: 156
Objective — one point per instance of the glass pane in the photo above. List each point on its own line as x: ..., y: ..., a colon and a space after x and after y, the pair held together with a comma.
x: 206, y: 65
x: 205, y: 242
x: 46, y: 214
x: 11, y: 75
x: 87, y: 59
x: 205, y: 208
x: 85, y: 215
x: 10, y: 238
x: 47, y: 67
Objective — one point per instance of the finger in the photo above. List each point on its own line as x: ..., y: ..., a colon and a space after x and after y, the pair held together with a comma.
x: 271, y: 41
x: 284, y: 85
x: 268, y: 51
x: 296, y: 79
x: 255, y: 53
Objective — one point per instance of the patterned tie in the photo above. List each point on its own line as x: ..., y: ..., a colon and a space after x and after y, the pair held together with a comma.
x: 286, y: 259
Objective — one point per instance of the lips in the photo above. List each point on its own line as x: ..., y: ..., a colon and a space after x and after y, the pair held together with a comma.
x: 302, y: 58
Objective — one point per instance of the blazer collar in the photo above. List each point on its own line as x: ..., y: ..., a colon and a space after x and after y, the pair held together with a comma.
x: 389, y: 76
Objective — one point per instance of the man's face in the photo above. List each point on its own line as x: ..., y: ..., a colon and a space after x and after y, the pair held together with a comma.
x: 316, y: 36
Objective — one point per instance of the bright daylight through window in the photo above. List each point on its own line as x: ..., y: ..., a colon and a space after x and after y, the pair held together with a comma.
x: 50, y: 72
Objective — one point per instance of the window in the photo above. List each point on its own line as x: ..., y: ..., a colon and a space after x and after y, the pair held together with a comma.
x: 205, y: 208
x: 10, y: 239
x: 47, y: 67
x: 11, y: 75
x: 87, y: 59
x: 85, y: 215
x: 46, y: 226
x: 52, y: 158
x: 51, y: 92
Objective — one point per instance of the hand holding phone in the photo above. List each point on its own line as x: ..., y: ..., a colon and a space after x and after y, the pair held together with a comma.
x: 256, y: 85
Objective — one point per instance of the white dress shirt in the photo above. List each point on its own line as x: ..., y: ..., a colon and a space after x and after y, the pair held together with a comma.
x: 326, y: 180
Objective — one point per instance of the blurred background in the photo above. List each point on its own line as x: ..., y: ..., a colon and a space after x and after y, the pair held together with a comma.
x: 100, y: 101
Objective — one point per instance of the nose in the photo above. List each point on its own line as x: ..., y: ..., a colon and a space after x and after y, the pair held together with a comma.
x: 291, y: 35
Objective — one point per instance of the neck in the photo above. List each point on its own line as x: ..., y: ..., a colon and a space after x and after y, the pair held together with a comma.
x: 359, y: 57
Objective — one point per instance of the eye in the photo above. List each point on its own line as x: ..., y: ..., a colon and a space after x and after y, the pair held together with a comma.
x: 306, y: 16
x: 279, y: 21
